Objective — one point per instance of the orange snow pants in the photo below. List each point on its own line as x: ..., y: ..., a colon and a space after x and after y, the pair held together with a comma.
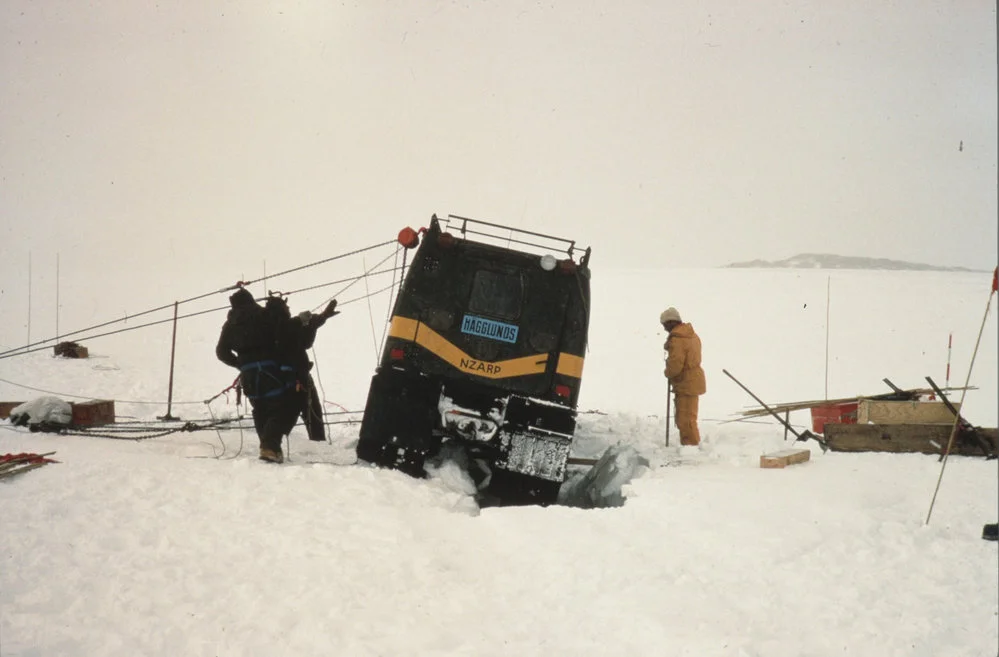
x: 685, y: 414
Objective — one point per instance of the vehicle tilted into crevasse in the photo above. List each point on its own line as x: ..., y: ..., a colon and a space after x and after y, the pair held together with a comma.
x: 485, y: 353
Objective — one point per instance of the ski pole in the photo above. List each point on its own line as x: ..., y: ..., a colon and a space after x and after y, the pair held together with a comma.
x: 669, y: 391
x: 669, y: 396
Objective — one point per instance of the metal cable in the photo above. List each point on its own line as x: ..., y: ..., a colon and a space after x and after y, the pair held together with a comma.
x: 62, y: 394
x: 353, y: 281
x: 26, y: 349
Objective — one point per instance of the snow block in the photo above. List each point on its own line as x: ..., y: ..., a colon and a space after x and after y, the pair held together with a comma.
x: 93, y: 413
x: 784, y: 458
x: 42, y: 413
x: 600, y: 487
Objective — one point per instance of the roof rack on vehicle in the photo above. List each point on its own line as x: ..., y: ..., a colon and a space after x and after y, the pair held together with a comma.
x: 558, y: 244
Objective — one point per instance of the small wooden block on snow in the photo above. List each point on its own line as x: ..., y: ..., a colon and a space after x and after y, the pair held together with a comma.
x: 93, y: 413
x: 71, y: 350
x: 784, y: 458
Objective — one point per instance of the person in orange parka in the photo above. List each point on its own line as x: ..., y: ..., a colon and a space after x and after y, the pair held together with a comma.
x: 683, y: 369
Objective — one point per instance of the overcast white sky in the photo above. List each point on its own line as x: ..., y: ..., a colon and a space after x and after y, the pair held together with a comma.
x: 149, y: 141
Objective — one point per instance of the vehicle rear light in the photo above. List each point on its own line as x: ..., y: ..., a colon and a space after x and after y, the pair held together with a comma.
x: 567, y: 266
x: 562, y: 390
x: 446, y: 240
x: 408, y: 238
x: 397, y: 353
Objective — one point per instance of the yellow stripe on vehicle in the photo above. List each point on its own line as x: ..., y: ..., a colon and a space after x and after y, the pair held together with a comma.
x: 405, y: 328
x: 570, y: 365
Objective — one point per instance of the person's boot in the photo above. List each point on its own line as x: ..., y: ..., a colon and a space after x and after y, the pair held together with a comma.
x: 991, y: 532
x: 273, y: 456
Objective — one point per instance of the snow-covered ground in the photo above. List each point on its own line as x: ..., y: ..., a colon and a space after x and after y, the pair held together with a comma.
x: 188, y: 545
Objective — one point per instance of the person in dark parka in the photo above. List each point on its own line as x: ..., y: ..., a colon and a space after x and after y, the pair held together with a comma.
x: 294, y: 350
x: 312, y: 407
x: 250, y: 341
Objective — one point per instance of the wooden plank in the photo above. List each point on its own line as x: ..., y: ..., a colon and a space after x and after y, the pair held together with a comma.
x: 803, y: 405
x: 796, y: 406
x: 904, y: 412
x: 897, y: 438
x: 6, y: 408
x: 784, y: 458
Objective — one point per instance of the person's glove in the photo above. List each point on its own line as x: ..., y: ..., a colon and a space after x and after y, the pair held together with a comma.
x: 331, y: 310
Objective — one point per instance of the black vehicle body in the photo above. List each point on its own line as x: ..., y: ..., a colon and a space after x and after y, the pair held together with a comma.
x: 485, y: 349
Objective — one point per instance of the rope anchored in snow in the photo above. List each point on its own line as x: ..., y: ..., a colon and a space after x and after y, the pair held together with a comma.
x: 234, y: 386
x: 151, y: 432
x: 133, y: 430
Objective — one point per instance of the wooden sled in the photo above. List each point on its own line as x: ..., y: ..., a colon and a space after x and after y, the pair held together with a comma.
x: 921, y: 438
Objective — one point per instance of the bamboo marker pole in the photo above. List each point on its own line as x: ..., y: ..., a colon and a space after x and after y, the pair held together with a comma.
x: 57, y: 299
x: 957, y: 416
x: 173, y: 351
x: 371, y: 316
x: 29, y: 298
x: 828, y: 286
x: 950, y: 341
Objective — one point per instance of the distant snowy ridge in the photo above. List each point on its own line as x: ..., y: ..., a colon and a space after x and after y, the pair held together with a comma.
x: 829, y: 261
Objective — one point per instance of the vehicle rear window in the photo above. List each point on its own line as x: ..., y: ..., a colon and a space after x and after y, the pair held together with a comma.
x: 496, y: 294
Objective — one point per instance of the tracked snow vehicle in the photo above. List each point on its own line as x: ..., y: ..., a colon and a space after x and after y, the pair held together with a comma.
x: 484, y: 351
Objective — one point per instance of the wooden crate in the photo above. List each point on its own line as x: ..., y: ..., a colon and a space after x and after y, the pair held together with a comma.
x: 93, y: 413
x: 784, y: 458
x: 845, y: 413
x: 873, y: 411
x: 6, y: 408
